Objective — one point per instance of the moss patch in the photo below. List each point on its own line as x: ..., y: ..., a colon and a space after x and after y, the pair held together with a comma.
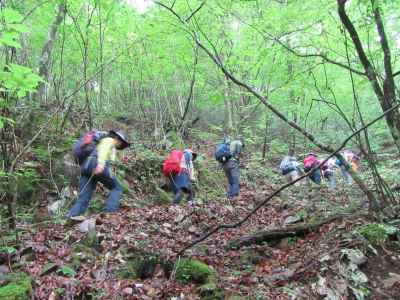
x: 82, y: 254
x: 19, y: 288
x: 140, y: 267
x: 210, y: 291
x: 377, y: 233
x: 191, y: 270
x: 163, y: 197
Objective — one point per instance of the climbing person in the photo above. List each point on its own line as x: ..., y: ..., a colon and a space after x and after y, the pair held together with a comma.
x: 95, y: 152
x: 354, y: 162
x: 228, y: 154
x: 178, y: 168
x: 352, y: 159
x: 289, y: 167
x: 328, y: 171
x: 311, y: 161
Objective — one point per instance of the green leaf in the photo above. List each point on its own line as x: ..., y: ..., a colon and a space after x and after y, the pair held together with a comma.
x: 18, y: 27
x: 8, y: 38
x: 11, y: 16
x: 67, y: 271
x: 8, y: 250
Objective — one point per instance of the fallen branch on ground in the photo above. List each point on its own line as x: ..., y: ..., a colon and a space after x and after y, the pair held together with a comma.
x: 275, y: 235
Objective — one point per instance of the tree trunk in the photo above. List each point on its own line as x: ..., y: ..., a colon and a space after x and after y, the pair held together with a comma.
x: 387, y: 94
x: 45, y: 58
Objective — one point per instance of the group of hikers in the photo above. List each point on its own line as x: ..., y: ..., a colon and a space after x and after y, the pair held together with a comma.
x: 95, y: 152
x: 291, y: 169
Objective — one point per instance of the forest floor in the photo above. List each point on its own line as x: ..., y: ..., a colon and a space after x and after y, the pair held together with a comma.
x: 126, y: 255
x: 307, y: 267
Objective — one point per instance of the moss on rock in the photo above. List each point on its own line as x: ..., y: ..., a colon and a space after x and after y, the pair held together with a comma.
x: 191, y: 270
x: 82, y: 254
x: 19, y: 288
x: 140, y: 267
x: 210, y: 291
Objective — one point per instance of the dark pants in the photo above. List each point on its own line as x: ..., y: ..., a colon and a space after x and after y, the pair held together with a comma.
x: 315, y: 176
x: 232, y: 172
x: 87, y: 185
x: 181, y: 184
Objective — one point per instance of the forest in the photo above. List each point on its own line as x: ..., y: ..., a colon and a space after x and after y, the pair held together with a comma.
x: 199, y: 149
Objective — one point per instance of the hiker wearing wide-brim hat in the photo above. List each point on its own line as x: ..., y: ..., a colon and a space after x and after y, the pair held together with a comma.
x: 121, y: 137
x: 97, y: 168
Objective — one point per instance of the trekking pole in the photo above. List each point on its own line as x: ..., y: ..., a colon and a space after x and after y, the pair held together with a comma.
x: 84, y: 187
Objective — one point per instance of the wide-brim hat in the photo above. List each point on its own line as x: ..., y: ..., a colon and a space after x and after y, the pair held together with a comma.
x: 311, y: 154
x: 119, y: 135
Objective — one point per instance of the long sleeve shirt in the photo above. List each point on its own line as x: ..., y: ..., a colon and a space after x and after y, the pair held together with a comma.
x: 289, y: 162
x: 106, y: 151
x: 236, y: 148
x: 187, y: 164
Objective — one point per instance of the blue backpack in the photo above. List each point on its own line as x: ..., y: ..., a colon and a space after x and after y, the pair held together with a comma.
x: 223, y: 152
x: 86, y: 145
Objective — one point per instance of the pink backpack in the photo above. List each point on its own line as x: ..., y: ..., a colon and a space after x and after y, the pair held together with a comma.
x: 310, y: 161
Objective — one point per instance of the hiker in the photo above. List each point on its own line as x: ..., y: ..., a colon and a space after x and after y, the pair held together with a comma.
x: 289, y: 167
x: 353, y: 160
x: 178, y: 168
x: 328, y: 170
x: 311, y: 161
x: 228, y: 154
x: 95, y: 153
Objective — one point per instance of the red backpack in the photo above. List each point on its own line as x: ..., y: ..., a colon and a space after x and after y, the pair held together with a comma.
x: 310, y: 161
x: 172, y: 164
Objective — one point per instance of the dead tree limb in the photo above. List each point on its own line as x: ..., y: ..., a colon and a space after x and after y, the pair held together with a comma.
x: 275, y: 235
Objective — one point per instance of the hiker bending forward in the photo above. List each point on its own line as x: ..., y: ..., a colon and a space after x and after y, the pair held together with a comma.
x: 353, y: 160
x: 310, y: 162
x: 290, y: 167
x: 96, y: 168
x: 182, y: 182
x: 231, y: 168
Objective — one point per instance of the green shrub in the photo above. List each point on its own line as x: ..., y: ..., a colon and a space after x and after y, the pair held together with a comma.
x: 191, y: 270
x: 377, y: 233
x: 19, y: 288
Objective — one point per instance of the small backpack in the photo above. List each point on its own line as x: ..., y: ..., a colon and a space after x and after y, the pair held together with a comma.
x: 223, y: 152
x: 287, y: 165
x: 86, y: 145
x: 310, y: 161
x: 172, y: 164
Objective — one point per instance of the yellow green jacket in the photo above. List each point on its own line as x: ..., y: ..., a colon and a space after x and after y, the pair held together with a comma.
x: 106, y: 151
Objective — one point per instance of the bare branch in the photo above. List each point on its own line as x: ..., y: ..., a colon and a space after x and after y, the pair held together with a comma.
x: 192, y: 82
x: 33, y: 10
x: 267, y: 35
x: 195, y: 11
